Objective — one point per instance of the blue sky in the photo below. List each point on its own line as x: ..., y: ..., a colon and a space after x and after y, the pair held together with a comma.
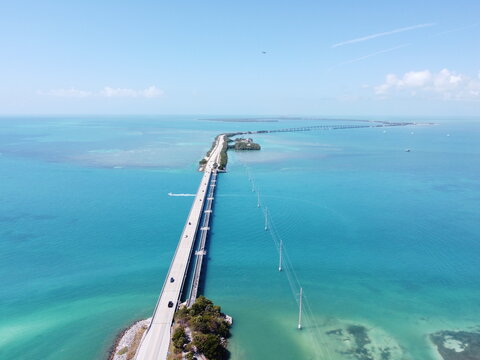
x: 206, y: 57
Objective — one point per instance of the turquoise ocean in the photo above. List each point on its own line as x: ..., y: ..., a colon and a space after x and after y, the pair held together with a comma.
x: 377, y: 237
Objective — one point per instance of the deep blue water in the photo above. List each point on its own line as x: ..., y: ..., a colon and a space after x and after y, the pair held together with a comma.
x: 376, y: 236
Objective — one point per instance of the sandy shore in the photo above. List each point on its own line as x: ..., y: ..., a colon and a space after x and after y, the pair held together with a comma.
x: 127, y: 341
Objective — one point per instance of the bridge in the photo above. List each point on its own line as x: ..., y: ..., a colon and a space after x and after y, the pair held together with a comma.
x: 156, y: 340
x: 335, y: 127
x: 201, y: 252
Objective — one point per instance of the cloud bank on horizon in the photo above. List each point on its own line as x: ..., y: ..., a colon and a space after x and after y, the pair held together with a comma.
x: 107, y: 92
x: 446, y: 84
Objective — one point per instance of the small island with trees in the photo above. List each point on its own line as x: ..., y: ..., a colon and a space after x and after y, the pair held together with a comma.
x: 238, y: 144
x: 200, y: 331
x: 244, y: 144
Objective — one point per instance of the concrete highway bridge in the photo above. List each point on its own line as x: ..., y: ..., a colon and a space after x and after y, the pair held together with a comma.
x: 156, y: 340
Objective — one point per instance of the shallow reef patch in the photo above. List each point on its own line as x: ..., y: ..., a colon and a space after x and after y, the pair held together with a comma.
x: 457, y: 345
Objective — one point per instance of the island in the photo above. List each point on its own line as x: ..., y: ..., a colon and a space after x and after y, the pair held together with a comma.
x: 200, y: 331
x: 244, y: 144
x: 239, y: 144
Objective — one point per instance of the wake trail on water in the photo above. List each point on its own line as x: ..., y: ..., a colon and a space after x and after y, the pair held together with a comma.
x: 172, y: 194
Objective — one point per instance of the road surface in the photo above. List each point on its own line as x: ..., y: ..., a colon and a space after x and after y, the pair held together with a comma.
x: 155, y: 343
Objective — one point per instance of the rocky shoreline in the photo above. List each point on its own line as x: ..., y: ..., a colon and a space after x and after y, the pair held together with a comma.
x: 127, y: 341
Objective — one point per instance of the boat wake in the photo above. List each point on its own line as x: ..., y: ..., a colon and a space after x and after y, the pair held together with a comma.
x: 172, y: 194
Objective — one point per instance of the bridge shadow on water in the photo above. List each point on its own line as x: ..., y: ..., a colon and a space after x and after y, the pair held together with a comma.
x: 189, y: 280
x: 203, y: 278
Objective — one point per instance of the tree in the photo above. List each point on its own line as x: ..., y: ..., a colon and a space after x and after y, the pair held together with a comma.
x: 201, y: 305
x: 191, y: 356
x: 182, y: 315
x: 209, y: 329
x: 179, y: 338
x: 201, y: 323
x: 223, y: 328
x: 210, y: 345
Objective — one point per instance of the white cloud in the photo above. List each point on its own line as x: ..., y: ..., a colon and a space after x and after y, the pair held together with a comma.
x: 109, y: 92
x: 149, y: 92
x: 117, y: 92
x: 71, y: 93
x: 373, y: 36
x: 152, y: 92
x: 445, y: 84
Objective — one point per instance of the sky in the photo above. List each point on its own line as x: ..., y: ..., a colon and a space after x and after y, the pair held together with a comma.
x: 240, y: 57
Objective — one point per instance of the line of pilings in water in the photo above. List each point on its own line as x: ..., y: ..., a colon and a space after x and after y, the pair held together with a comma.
x: 207, y: 211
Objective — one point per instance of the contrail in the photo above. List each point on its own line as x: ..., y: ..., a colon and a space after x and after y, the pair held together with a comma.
x: 373, y: 36
x: 456, y: 29
x: 372, y: 54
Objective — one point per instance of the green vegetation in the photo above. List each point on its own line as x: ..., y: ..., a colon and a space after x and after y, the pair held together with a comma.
x: 179, y: 338
x: 210, y: 345
x: 246, y: 144
x: 209, y: 330
x: 240, y: 144
x: 223, y: 156
x: 122, y: 350
x: 204, y: 161
x: 213, y: 145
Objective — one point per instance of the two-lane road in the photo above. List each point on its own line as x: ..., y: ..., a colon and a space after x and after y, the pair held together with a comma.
x: 154, y: 345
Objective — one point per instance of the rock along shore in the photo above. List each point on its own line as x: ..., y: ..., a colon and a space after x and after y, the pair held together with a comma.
x: 128, y: 340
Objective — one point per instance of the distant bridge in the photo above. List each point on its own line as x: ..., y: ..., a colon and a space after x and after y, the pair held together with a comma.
x: 372, y: 124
